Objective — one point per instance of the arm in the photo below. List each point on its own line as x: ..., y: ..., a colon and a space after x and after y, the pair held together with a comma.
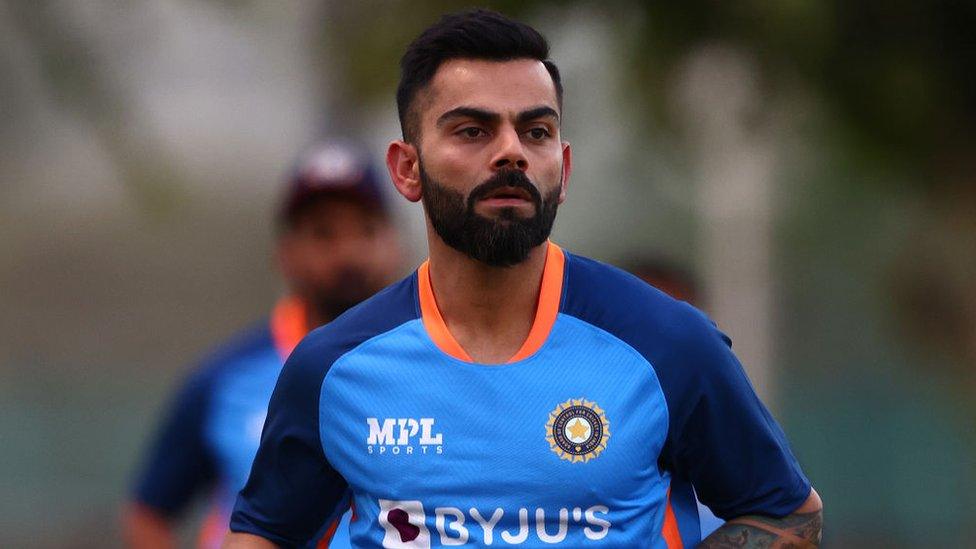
x: 235, y: 540
x: 177, y: 467
x: 724, y: 442
x: 800, y: 529
x: 144, y: 528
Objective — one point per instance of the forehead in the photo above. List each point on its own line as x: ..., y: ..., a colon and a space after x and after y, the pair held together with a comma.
x: 334, y: 209
x: 500, y: 86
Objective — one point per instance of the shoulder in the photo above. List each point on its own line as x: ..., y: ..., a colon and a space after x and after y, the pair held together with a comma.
x: 294, y: 405
x: 681, y: 344
x: 637, y: 313
x: 246, y: 343
x: 385, y: 311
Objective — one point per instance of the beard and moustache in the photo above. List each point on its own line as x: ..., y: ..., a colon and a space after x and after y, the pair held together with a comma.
x: 351, y: 288
x: 502, y: 241
x: 499, y: 242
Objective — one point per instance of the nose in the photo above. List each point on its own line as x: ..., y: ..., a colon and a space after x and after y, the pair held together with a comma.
x: 351, y: 250
x: 510, y: 153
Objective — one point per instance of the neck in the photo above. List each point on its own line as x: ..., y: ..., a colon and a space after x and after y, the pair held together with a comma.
x: 489, y: 310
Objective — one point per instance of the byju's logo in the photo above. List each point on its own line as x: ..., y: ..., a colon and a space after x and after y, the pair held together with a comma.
x: 403, y: 522
x: 404, y: 525
x: 405, y: 435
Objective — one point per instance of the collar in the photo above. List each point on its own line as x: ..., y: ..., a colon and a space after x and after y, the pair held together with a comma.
x: 289, y: 324
x: 545, y: 312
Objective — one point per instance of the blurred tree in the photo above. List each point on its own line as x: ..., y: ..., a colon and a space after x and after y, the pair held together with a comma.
x: 84, y: 85
x: 902, y: 75
x: 934, y: 283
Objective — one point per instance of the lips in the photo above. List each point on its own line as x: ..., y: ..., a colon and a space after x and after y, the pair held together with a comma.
x: 508, y: 193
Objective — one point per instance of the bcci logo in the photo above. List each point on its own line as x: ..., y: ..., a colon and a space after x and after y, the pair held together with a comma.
x: 577, y: 430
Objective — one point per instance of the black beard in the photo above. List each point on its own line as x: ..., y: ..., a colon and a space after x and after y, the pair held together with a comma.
x: 349, y: 290
x: 500, y: 242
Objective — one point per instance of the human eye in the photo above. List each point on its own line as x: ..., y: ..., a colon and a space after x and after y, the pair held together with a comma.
x: 472, y: 132
x: 538, y: 133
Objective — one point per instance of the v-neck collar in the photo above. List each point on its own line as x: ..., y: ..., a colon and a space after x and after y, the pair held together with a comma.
x: 545, y: 313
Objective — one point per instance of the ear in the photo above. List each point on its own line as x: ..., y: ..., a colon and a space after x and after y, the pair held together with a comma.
x: 567, y: 170
x: 403, y: 162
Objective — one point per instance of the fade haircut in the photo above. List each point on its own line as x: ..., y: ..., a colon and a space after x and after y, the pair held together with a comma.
x: 473, y: 34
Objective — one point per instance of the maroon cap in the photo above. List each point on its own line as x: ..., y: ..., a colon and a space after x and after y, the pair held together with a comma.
x: 331, y: 169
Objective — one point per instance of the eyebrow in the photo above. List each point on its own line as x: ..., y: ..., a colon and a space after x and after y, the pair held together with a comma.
x: 480, y: 115
x: 485, y: 116
x: 538, y: 112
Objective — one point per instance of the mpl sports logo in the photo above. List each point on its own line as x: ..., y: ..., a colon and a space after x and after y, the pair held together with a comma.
x: 403, y: 435
x: 405, y: 525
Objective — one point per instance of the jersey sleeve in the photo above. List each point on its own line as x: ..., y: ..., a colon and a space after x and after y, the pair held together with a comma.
x: 179, y: 464
x: 292, y: 489
x: 721, y: 437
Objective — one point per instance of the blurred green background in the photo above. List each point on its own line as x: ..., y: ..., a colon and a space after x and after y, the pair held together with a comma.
x: 814, y: 162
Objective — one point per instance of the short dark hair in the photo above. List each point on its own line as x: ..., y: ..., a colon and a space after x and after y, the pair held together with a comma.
x: 471, y: 34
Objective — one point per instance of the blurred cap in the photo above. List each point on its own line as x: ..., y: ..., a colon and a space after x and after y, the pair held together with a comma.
x: 328, y: 169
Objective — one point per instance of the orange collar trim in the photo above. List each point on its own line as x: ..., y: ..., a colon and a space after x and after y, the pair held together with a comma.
x: 545, y: 311
x: 289, y: 324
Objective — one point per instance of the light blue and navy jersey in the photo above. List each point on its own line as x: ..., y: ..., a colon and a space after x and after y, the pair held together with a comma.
x: 593, y: 434
x: 213, y: 426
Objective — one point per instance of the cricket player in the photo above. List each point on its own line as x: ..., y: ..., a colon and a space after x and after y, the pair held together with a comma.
x: 335, y: 248
x: 510, y: 392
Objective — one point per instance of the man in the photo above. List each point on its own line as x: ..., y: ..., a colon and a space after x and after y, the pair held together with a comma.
x: 510, y: 392
x: 335, y: 248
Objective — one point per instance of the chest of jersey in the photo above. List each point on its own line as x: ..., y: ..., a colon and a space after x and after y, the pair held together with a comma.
x: 560, y: 448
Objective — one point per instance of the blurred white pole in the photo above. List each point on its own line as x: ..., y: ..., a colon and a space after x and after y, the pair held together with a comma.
x: 719, y: 107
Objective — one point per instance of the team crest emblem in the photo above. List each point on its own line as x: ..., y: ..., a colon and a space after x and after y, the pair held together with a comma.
x: 577, y: 430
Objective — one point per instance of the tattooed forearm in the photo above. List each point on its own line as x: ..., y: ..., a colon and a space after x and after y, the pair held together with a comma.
x: 799, y: 531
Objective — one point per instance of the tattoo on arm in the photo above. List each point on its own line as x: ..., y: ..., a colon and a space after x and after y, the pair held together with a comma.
x: 796, y: 531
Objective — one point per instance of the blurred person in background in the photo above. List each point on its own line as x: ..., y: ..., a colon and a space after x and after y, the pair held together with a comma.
x: 335, y: 247
x: 668, y: 276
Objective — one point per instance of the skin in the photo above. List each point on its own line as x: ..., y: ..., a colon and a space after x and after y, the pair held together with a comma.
x: 237, y: 540
x: 800, y: 529
x: 145, y: 528
x: 331, y: 236
x: 476, y: 119
x: 327, y: 238
x: 479, y: 117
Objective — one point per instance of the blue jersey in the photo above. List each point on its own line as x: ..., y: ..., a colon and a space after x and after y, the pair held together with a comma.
x: 213, y: 427
x: 594, y: 434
